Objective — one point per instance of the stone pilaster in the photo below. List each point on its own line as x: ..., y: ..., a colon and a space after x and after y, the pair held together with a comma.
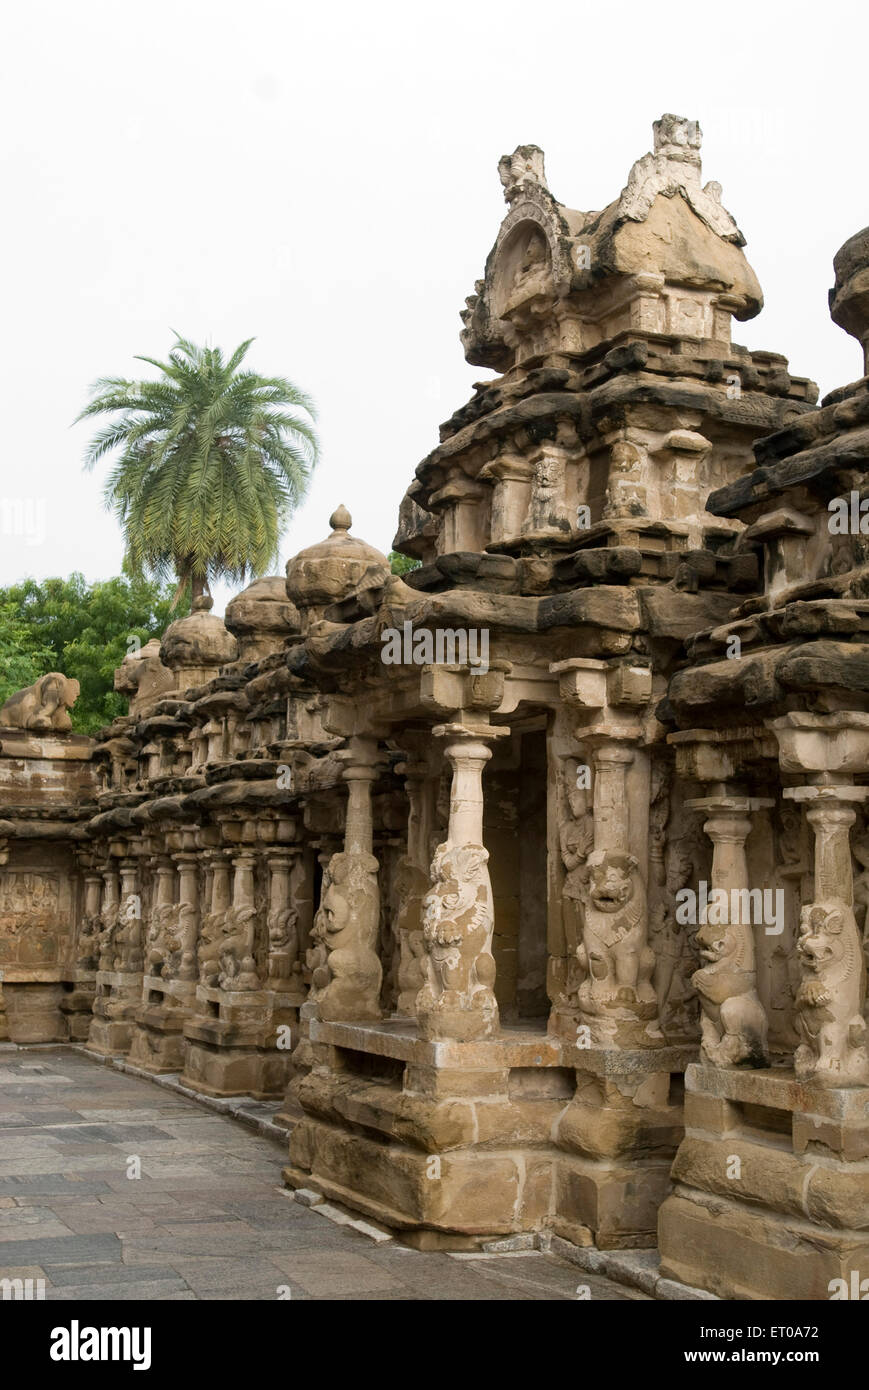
x: 284, y: 966
x: 458, y: 999
x: 347, y: 983
x: 733, y: 1020
x: 831, y: 998
x: 412, y: 883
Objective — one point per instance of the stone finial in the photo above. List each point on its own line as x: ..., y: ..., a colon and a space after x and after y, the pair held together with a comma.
x: 261, y: 617
x: 849, y: 297
x: 334, y: 569
x: 195, y: 647
x: 524, y: 166
x: 675, y: 168
x: 677, y: 138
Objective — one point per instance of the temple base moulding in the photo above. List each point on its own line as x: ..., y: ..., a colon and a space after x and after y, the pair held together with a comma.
x: 771, y: 1196
x: 469, y: 1140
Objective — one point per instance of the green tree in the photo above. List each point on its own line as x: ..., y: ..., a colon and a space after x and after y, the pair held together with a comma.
x: 213, y: 461
x: 85, y: 631
x: 22, y: 658
x: 402, y: 564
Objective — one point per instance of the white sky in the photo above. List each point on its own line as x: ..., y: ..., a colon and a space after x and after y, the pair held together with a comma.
x: 323, y: 177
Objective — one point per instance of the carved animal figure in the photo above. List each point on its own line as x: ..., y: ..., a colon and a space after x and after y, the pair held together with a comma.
x: 830, y: 998
x: 733, y: 1023
x: 237, y: 964
x: 411, y: 886
x: 457, y: 1000
x: 43, y: 705
x: 162, y: 932
x: 282, y: 926
x: 109, y: 923
x: 614, y: 953
x: 210, y: 946
x: 348, y: 927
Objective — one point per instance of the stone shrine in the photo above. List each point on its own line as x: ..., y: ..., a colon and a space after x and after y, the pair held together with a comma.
x: 533, y: 882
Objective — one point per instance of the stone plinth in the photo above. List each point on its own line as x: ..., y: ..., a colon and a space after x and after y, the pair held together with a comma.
x: 77, y: 1003
x: 460, y: 1140
x: 771, y: 1199
x: 157, y: 1044
x: 239, y: 1042
x: 118, y: 998
x: 33, y: 1006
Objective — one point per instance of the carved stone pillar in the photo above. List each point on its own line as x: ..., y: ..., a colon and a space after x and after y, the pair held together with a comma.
x: 88, y: 940
x: 458, y: 1000
x: 214, y: 921
x: 237, y: 963
x: 832, y: 992
x: 733, y: 1021
x: 828, y: 749
x: 284, y: 968
x: 611, y: 812
x: 412, y: 884
x: 128, y: 940
x: 188, y: 915
x: 109, y: 916
x: 347, y: 985
x: 162, y: 917
x: 511, y: 495
x: 616, y: 999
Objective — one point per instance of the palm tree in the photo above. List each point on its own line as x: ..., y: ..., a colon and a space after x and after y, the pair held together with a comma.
x: 213, y: 462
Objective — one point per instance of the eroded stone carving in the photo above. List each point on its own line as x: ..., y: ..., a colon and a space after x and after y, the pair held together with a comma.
x: 44, y: 705
x: 348, y: 982
x: 457, y: 1000
x: 674, y: 168
x: 830, y: 998
x: 616, y: 999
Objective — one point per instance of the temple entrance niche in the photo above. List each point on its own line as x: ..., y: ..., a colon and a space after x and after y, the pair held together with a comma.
x: 515, y: 835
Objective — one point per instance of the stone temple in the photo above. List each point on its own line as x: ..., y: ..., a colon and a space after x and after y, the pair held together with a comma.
x: 533, y: 882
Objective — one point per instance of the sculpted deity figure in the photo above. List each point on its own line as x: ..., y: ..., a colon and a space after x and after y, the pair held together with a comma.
x: 576, y: 838
x: 533, y: 278
x: 616, y: 998
x: 457, y: 999
x: 411, y: 886
x: 317, y: 957
x: 668, y: 941
x: 109, y: 923
x: 860, y: 849
x: 830, y: 998
x: 88, y: 942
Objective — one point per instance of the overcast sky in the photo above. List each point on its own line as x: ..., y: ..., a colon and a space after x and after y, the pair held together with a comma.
x: 323, y: 177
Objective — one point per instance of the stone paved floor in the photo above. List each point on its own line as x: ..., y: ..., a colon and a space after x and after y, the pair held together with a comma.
x: 208, y: 1217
